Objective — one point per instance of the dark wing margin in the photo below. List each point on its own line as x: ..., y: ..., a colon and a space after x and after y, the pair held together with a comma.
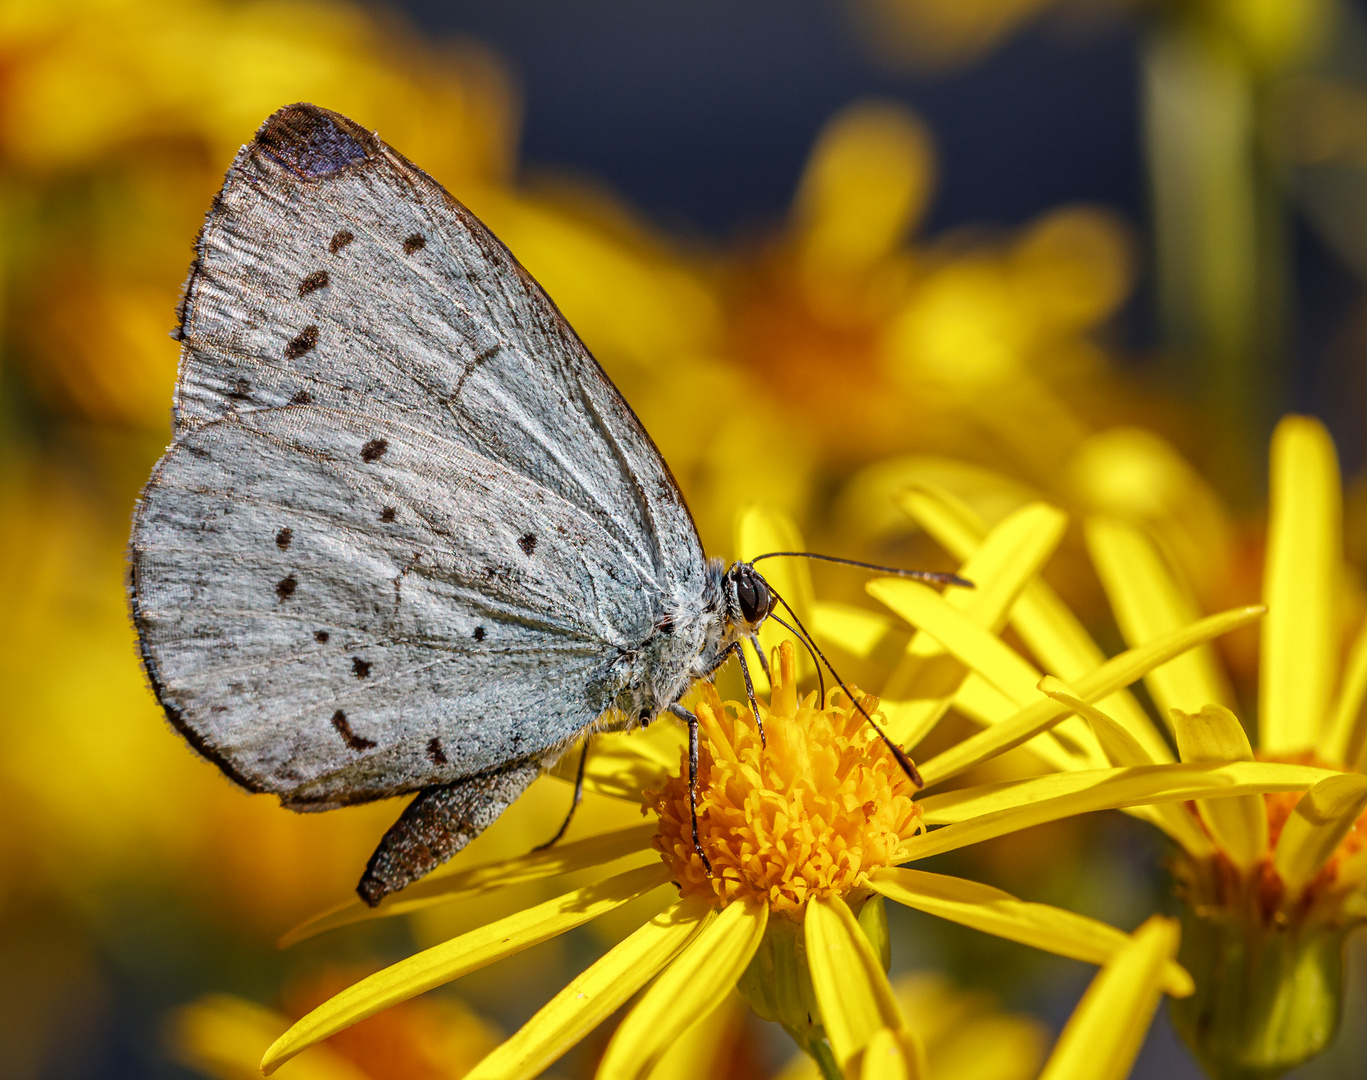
x: 314, y: 142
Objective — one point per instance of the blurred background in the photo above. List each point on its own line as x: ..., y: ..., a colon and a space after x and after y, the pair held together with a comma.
x: 1085, y: 250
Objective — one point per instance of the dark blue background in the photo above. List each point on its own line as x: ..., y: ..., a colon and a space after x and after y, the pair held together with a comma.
x: 703, y: 112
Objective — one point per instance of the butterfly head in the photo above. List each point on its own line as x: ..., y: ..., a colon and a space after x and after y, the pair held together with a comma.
x: 749, y: 600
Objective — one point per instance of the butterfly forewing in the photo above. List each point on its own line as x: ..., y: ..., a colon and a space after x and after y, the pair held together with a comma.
x: 407, y: 528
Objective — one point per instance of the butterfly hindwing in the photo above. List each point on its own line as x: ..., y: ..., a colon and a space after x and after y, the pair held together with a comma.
x: 336, y: 622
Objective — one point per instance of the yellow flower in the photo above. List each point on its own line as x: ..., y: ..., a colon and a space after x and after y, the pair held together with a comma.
x: 802, y: 860
x: 1273, y: 878
x: 935, y: 342
x: 1272, y: 883
x: 809, y: 815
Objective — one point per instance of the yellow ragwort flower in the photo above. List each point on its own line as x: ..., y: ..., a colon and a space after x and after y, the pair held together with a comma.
x: 1273, y: 882
x: 1273, y: 869
x: 807, y: 836
x: 807, y: 816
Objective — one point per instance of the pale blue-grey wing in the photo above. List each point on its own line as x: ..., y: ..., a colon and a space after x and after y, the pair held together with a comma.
x: 337, y: 607
x: 332, y: 270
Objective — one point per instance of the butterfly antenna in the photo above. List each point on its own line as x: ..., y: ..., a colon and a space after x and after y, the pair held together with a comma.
x: 934, y: 577
x: 907, y: 765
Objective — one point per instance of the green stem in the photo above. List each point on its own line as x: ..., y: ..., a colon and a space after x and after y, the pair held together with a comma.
x: 825, y: 1060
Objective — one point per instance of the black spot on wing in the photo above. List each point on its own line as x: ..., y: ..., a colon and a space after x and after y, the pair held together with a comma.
x: 314, y: 142
x: 360, y: 668
x: 527, y: 542
x: 306, y: 339
x: 434, y: 751
x: 321, y: 636
x: 340, y: 239
x: 374, y: 450
x: 387, y: 514
x: 414, y: 242
x: 301, y: 397
x: 284, y: 588
x: 479, y: 633
x: 354, y: 741
x: 241, y: 390
x: 283, y: 537
x: 315, y: 281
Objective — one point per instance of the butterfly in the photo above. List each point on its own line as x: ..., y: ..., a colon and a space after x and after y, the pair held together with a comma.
x: 408, y: 536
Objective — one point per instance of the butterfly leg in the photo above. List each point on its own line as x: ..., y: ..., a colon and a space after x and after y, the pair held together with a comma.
x: 574, y: 804
x: 750, y: 692
x: 692, y: 722
x: 734, y: 647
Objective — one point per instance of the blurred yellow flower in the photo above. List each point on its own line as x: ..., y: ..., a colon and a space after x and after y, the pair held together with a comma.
x: 1272, y: 883
x: 921, y: 344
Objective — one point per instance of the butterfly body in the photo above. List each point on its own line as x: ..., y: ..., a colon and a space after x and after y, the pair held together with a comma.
x: 407, y: 532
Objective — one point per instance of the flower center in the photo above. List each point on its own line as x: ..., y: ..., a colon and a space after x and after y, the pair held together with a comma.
x: 823, y: 804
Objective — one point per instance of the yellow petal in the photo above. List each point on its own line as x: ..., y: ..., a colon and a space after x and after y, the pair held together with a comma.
x: 964, y: 638
x: 1147, y: 601
x: 1123, y: 749
x: 1056, y: 639
x: 468, y: 952
x: 978, y: 814
x: 1009, y: 557
x: 965, y: 804
x: 1300, y: 583
x: 1106, y: 1030
x: 1238, y: 825
x: 1321, y: 819
x: 955, y: 525
x: 690, y: 988
x: 594, y: 995
x: 980, y: 701
x: 920, y: 688
x: 992, y: 911
x: 1346, y: 734
x: 851, y: 987
x: 1049, y: 629
x: 856, y: 630
x: 560, y: 859
x: 760, y: 530
x: 1115, y: 673
x: 893, y: 1055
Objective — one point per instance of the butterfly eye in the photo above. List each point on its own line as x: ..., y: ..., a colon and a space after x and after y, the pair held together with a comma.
x: 752, y: 596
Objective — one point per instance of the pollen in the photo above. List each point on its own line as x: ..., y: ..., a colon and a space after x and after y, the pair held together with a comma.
x: 810, y: 814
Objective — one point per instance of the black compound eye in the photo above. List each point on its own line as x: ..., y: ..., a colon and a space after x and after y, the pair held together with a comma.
x: 752, y: 594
